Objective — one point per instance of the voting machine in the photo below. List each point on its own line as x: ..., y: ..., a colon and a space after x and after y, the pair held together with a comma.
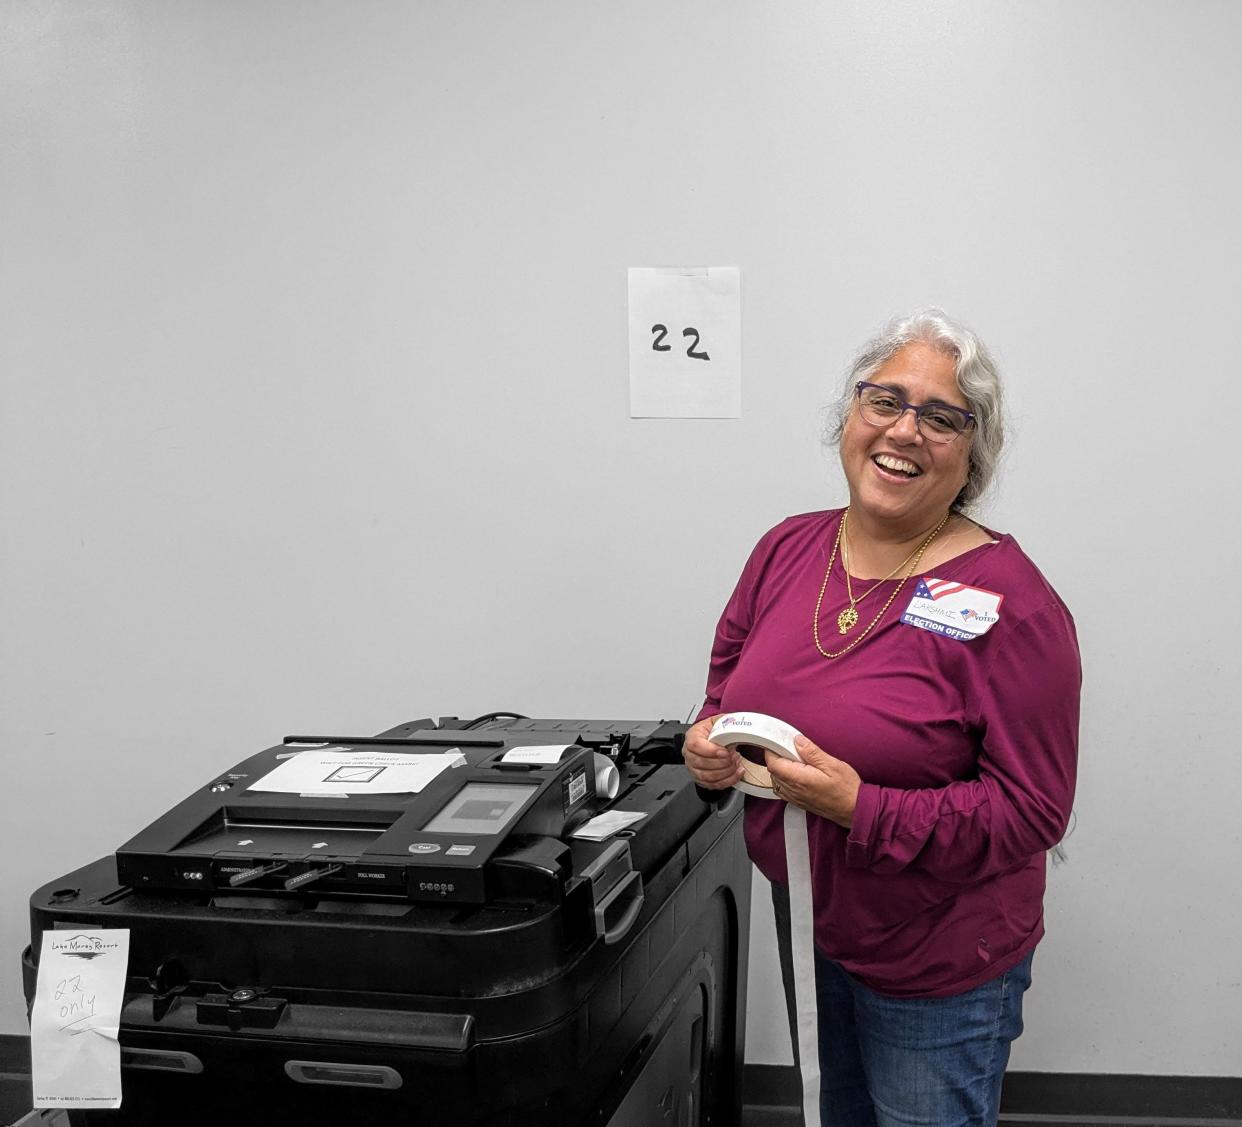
x: 505, y: 921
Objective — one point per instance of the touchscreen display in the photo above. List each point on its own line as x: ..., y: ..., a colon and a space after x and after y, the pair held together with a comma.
x: 481, y: 808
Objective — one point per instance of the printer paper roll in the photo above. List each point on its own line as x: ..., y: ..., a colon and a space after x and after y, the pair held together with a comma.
x: 607, y: 777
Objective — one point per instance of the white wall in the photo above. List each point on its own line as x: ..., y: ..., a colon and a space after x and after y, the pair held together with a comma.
x: 315, y: 414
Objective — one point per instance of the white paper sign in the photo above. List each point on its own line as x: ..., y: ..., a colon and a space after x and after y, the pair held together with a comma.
x: 686, y: 342
x: 338, y: 773
x: 76, y: 1018
x: 535, y: 753
x: 604, y: 825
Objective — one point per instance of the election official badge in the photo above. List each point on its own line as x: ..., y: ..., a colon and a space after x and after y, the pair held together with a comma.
x: 952, y: 609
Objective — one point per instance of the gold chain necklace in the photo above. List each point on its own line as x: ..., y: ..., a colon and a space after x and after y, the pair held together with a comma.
x: 848, y: 618
x: 918, y: 555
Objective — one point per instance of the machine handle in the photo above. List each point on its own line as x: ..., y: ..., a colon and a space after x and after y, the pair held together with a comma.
x: 161, y: 1060
x: 342, y: 1074
x: 626, y: 896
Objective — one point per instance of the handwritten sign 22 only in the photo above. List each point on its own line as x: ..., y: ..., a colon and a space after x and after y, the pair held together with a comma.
x: 686, y: 342
x: 75, y: 1020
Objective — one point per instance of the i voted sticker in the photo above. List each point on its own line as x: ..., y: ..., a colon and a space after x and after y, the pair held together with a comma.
x: 952, y: 609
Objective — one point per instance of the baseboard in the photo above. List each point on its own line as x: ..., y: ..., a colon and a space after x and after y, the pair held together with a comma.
x: 14, y: 1077
x: 14, y: 1053
x: 1063, y: 1098
x: 771, y: 1085
x: 1172, y: 1099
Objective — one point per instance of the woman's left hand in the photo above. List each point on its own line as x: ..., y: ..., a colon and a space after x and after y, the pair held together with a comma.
x: 819, y: 784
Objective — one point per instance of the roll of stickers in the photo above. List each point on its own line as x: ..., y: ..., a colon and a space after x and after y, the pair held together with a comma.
x: 754, y: 729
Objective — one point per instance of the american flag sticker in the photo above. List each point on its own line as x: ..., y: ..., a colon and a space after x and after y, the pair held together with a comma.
x: 952, y: 609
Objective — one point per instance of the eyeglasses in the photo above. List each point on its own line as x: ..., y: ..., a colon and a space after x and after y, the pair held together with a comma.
x: 882, y: 406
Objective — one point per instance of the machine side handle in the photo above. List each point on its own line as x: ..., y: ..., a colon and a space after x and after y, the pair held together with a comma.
x: 344, y: 1074
x: 616, y: 912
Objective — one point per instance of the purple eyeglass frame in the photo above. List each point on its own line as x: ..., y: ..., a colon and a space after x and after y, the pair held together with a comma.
x: 918, y: 408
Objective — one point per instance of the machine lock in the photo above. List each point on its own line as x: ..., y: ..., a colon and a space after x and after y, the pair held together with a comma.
x: 245, y: 1008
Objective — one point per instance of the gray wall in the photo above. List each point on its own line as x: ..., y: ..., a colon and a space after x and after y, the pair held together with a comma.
x: 315, y: 410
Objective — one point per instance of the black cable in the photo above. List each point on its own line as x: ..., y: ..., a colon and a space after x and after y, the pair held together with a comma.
x: 493, y: 716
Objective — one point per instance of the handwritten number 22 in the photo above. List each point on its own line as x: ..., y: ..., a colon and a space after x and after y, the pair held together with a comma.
x: 658, y: 345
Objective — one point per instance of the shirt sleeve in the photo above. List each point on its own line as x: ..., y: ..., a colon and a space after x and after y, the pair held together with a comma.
x: 1019, y: 803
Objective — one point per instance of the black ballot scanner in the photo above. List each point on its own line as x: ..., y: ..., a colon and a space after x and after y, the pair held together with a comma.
x: 419, y: 928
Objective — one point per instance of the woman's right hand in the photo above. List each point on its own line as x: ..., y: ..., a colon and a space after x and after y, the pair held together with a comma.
x: 713, y: 767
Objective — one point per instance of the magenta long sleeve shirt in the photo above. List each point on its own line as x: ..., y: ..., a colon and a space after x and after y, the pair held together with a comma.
x: 966, y: 749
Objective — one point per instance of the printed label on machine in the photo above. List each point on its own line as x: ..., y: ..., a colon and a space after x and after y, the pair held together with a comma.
x: 575, y: 788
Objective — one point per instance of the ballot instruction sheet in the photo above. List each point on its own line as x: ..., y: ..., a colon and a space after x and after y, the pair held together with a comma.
x: 340, y: 771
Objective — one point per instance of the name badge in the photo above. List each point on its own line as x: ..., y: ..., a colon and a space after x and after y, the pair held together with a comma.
x: 952, y: 609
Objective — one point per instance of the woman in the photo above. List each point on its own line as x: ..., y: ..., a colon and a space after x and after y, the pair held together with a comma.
x: 935, y: 676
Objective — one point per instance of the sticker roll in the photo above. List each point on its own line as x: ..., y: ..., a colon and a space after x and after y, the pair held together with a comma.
x: 607, y: 777
x: 757, y: 730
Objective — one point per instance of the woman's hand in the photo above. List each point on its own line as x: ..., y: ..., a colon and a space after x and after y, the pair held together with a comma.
x: 712, y: 766
x: 819, y: 784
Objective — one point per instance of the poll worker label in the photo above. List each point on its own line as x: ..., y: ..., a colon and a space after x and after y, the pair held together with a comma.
x: 953, y: 610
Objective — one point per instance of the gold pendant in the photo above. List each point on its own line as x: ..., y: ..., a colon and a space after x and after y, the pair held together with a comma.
x: 847, y: 620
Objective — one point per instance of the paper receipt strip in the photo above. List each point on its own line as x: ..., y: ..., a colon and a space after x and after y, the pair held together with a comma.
x: 757, y: 730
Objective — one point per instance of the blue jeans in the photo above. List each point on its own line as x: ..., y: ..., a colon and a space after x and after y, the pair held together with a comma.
x: 910, y: 1062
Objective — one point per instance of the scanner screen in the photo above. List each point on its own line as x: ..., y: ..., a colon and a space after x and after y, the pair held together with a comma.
x: 481, y: 808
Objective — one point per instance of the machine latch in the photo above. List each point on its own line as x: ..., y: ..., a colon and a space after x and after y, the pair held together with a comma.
x: 242, y: 1009
x: 616, y: 892
x: 169, y: 981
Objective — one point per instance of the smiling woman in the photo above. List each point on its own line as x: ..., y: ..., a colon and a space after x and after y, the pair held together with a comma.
x: 976, y: 381
x: 902, y: 483
x: 935, y: 674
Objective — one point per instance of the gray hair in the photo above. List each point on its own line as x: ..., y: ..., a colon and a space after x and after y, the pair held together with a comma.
x: 977, y: 379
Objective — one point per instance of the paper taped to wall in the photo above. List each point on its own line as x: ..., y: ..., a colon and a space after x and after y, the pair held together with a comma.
x: 685, y: 342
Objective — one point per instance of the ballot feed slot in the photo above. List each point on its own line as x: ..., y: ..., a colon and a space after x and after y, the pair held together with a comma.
x: 231, y: 831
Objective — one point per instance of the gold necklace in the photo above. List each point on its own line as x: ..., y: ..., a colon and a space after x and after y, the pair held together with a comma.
x: 848, y: 618
x: 871, y: 625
